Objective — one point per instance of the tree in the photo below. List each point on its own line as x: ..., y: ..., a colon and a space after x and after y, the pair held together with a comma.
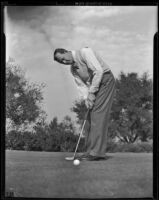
x: 14, y: 140
x: 22, y: 98
x: 61, y: 136
x: 80, y: 109
x: 53, y: 124
x: 67, y: 125
x: 53, y: 141
x: 131, y: 116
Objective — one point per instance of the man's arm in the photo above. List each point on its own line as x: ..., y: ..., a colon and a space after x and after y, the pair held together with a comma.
x: 82, y: 88
x: 95, y: 66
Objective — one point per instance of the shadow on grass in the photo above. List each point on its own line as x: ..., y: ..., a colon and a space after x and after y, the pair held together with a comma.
x: 108, y: 157
x: 103, y: 159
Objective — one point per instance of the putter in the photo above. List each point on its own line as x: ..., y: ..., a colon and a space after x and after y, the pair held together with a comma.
x: 73, y: 157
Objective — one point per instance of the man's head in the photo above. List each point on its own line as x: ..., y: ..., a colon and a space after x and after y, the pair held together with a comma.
x: 63, y: 56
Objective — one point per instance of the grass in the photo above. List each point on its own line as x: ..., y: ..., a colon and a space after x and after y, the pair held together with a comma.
x: 47, y: 174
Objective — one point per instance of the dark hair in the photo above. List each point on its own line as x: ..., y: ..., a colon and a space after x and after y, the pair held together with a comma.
x: 62, y: 51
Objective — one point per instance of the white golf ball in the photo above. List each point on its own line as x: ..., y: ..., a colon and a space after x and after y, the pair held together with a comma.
x: 76, y: 162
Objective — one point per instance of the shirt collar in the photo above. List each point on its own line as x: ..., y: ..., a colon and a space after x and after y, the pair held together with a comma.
x: 74, y: 55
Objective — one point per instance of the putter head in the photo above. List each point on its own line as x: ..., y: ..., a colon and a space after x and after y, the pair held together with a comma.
x: 69, y: 158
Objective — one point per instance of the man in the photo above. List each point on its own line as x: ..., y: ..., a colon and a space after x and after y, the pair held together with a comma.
x: 91, y: 71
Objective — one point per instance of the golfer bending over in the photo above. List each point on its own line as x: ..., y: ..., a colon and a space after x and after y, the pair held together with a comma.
x: 90, y: 70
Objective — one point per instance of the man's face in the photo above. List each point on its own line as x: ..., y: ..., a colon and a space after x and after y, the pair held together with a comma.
x: 64, y: 58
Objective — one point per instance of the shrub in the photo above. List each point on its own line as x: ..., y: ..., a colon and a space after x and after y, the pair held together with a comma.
x: 133, y: 147
x: 111, y: 146
x: 14, y: 140
x: 146, y: 147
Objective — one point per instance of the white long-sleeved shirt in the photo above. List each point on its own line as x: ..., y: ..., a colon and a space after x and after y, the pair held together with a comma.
x: 95, y: 69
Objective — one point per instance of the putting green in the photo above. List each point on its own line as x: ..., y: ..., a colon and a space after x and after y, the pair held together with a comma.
x: 48, y: 174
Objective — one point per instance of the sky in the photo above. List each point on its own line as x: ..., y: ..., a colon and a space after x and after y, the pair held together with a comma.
x: 122, y: 35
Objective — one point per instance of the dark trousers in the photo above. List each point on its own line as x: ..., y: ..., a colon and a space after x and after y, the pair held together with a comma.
x: 96, y: 128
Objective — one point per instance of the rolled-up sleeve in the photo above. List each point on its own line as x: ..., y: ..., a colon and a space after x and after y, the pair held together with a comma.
x: 81, y: 86
x: 96, y: 68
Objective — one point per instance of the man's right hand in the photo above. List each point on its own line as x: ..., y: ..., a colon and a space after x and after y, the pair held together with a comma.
x: 90, y: 100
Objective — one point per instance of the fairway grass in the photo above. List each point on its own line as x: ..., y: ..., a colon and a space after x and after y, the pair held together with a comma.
x: 48, y: 174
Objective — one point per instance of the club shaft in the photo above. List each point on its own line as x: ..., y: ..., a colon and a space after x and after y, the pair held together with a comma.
x: 81, y: 133
x: 79, y: 138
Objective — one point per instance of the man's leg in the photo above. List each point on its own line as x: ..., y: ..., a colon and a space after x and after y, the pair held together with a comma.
x: 100, y: 117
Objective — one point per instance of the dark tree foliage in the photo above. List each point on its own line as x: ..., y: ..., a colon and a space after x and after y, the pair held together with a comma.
x: 22, y: 98
x: 131, y: 115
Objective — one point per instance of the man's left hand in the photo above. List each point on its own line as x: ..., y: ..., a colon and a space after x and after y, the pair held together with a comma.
x: 90, y: 100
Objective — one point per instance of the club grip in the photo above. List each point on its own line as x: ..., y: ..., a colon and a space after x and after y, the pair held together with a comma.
x: 86, y: 115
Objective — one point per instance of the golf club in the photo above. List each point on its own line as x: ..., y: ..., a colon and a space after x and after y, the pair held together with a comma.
x: 73, y: 157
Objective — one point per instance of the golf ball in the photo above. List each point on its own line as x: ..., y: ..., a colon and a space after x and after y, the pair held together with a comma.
x: 76, y: 162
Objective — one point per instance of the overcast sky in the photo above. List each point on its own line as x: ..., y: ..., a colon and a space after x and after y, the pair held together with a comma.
x: 123, y: 36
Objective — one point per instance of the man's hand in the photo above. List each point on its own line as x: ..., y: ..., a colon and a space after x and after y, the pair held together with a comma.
x: 90, y: 100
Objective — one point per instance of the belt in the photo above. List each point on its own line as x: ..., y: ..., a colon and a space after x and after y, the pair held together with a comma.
x: 107, y: 72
